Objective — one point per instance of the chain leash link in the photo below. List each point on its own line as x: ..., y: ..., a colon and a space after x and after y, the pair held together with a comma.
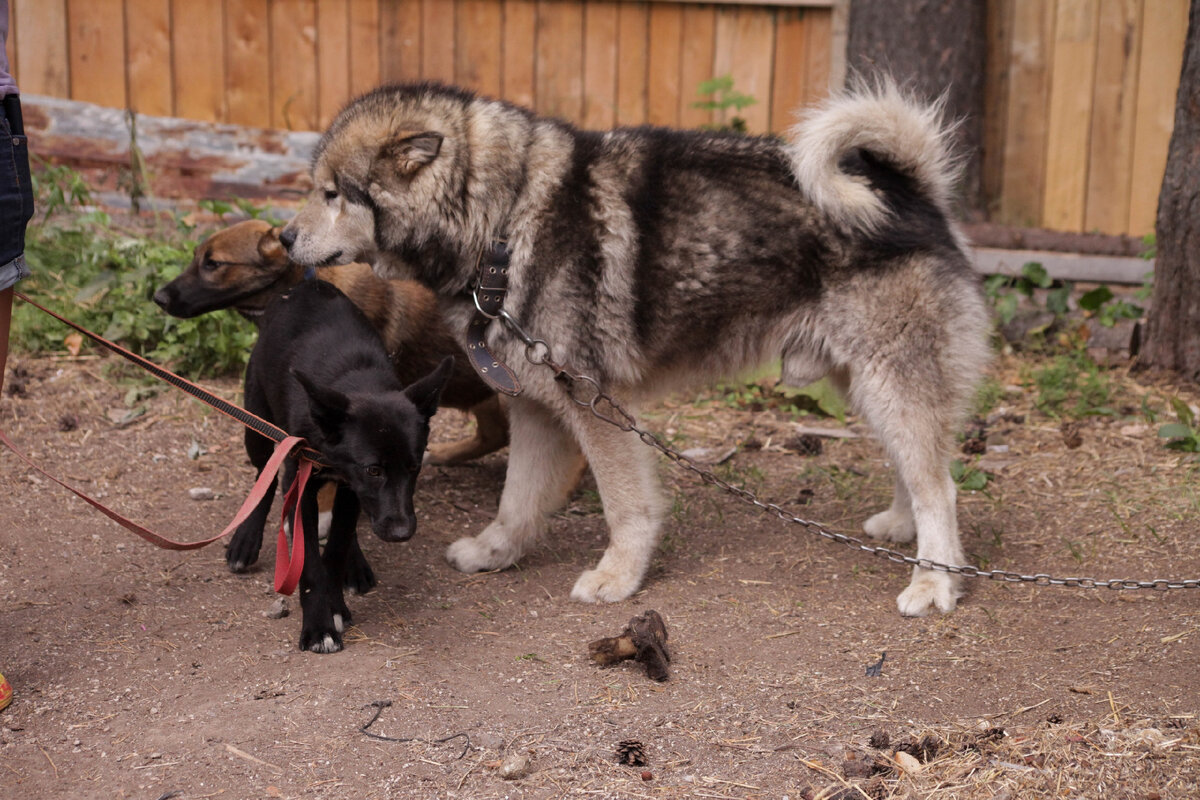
x: 604, y: 407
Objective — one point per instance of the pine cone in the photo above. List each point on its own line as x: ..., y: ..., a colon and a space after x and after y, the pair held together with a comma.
x: 631, y: 752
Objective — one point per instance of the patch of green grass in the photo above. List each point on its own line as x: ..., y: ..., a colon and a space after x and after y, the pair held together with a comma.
x: 987, y: 396
x: 91, y: 271
x: 1072, y: 385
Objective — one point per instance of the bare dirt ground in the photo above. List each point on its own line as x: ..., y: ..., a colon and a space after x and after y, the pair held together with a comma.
x: 142, y: 673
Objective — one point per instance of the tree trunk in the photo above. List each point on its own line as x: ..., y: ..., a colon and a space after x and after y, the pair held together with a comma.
x: 1173, y: 324
x: 931, y: 46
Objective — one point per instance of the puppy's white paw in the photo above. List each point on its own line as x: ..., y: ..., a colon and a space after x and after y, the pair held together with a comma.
x: 475, y: 554
x: 891, y: 526
x: 929, y: 591
x: 326, y: 644
x: 604, y: 586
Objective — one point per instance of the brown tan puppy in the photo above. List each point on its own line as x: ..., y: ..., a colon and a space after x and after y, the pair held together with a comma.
x: 244, y: 267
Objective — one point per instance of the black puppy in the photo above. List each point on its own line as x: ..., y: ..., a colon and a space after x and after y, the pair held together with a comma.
x: 320, y: 371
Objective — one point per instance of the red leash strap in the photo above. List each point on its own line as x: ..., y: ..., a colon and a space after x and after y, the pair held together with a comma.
x: 282, y: 451
x: 287, y: 577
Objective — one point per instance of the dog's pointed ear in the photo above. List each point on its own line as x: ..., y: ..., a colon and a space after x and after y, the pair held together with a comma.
x: 328, y: 407
x: 270, y: 249
x: 407, y: 154
x: 426, y: 392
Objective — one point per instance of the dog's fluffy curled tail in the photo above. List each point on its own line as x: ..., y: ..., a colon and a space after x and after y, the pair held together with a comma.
x: 885, y: 121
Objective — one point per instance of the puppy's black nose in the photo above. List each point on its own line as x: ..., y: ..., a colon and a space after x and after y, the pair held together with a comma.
x: 288, y: 237
x: 163, y: 298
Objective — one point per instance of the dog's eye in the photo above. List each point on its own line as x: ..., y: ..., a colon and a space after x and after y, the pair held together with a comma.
x: 374, y: 471
x: 331, y: 194
x: 212, y: 264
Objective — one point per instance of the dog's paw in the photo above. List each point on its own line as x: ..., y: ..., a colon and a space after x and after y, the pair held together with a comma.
x: 360, y: 578
x: 475, y: 554
x: 604, y: 586
x: 891, y: 526
x: 929, y: 591
x: 242, y: 551
x: 317, y: 640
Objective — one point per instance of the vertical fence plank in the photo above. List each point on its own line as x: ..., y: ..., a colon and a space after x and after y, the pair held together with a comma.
x: 600, y: 65
x: 822, y: 61
x: 663, y: 75
x: 248, y: 59
x: 518, y: 75
x: 148, y: 56
x: 1110, y: 160
x: 995, y: 92
x: 42, y: 50
x: 437, y: 40
x: 294, y: 64
x: 363, y: 43
x: 744, y: 51
x: 1071, y: 92
x: 96, y: 44
x: 696, y: 63
x: 333, y: 58
x: 478, y: 43
x: 400, y: 40
x: 559, y: 70
x: 633, y: 29
x: 1025, y: 130
x: 790, y: 89
x: 1164, y: 28
x: 198, y: 63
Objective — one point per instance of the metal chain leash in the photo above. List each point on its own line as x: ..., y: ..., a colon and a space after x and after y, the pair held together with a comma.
x: 602, y: 405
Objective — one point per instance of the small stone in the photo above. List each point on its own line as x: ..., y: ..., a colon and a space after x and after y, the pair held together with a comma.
x: 201, y: 493
x: 907, y: 762
x: 647, y: 775
x: 278, y: 609
x: 514, y: 766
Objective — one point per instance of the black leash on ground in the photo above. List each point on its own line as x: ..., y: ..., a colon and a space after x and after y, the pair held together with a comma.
x: 289, y: 561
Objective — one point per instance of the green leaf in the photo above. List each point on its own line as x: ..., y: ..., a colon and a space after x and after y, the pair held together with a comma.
x: 1095, y: 298
x: 1183, y: 411
x: 1174, y: 430
x: 1036, y: 274
x: 1057, y: 299
x: 827, y: 400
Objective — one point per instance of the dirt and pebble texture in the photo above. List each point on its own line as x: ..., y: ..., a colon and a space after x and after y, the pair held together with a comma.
x: 142, y: 673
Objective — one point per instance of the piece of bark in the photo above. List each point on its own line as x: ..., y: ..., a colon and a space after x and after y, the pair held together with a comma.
x: 644, y: 639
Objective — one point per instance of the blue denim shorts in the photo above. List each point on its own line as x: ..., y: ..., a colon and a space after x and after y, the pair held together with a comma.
x: 16, y: 193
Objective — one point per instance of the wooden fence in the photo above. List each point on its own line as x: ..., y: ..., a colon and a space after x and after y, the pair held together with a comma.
x: 1080, y: 93
x: 1081, y: 104
x: 294, y: 63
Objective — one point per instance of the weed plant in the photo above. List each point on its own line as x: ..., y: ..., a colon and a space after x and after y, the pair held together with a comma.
x: 90, y: 270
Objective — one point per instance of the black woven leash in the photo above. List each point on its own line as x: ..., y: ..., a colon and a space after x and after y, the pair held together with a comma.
x: 255, y: 423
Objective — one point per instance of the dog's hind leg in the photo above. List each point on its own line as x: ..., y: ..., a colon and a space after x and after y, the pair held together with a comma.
x: 540, y: 463
x: 625, y: 474
x: 491, y: 433
x: 914, y: 426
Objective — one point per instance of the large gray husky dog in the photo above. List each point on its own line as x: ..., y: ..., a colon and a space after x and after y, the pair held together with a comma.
x: 653, y: 259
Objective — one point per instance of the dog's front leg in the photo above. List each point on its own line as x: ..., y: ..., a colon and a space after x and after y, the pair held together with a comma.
x: 541, y: 472
x: 320, y: 630
x: 341, y: 552
x: 625, y: 474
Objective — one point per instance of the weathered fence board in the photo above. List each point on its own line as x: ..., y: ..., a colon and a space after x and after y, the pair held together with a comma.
x: 1080, y: 93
